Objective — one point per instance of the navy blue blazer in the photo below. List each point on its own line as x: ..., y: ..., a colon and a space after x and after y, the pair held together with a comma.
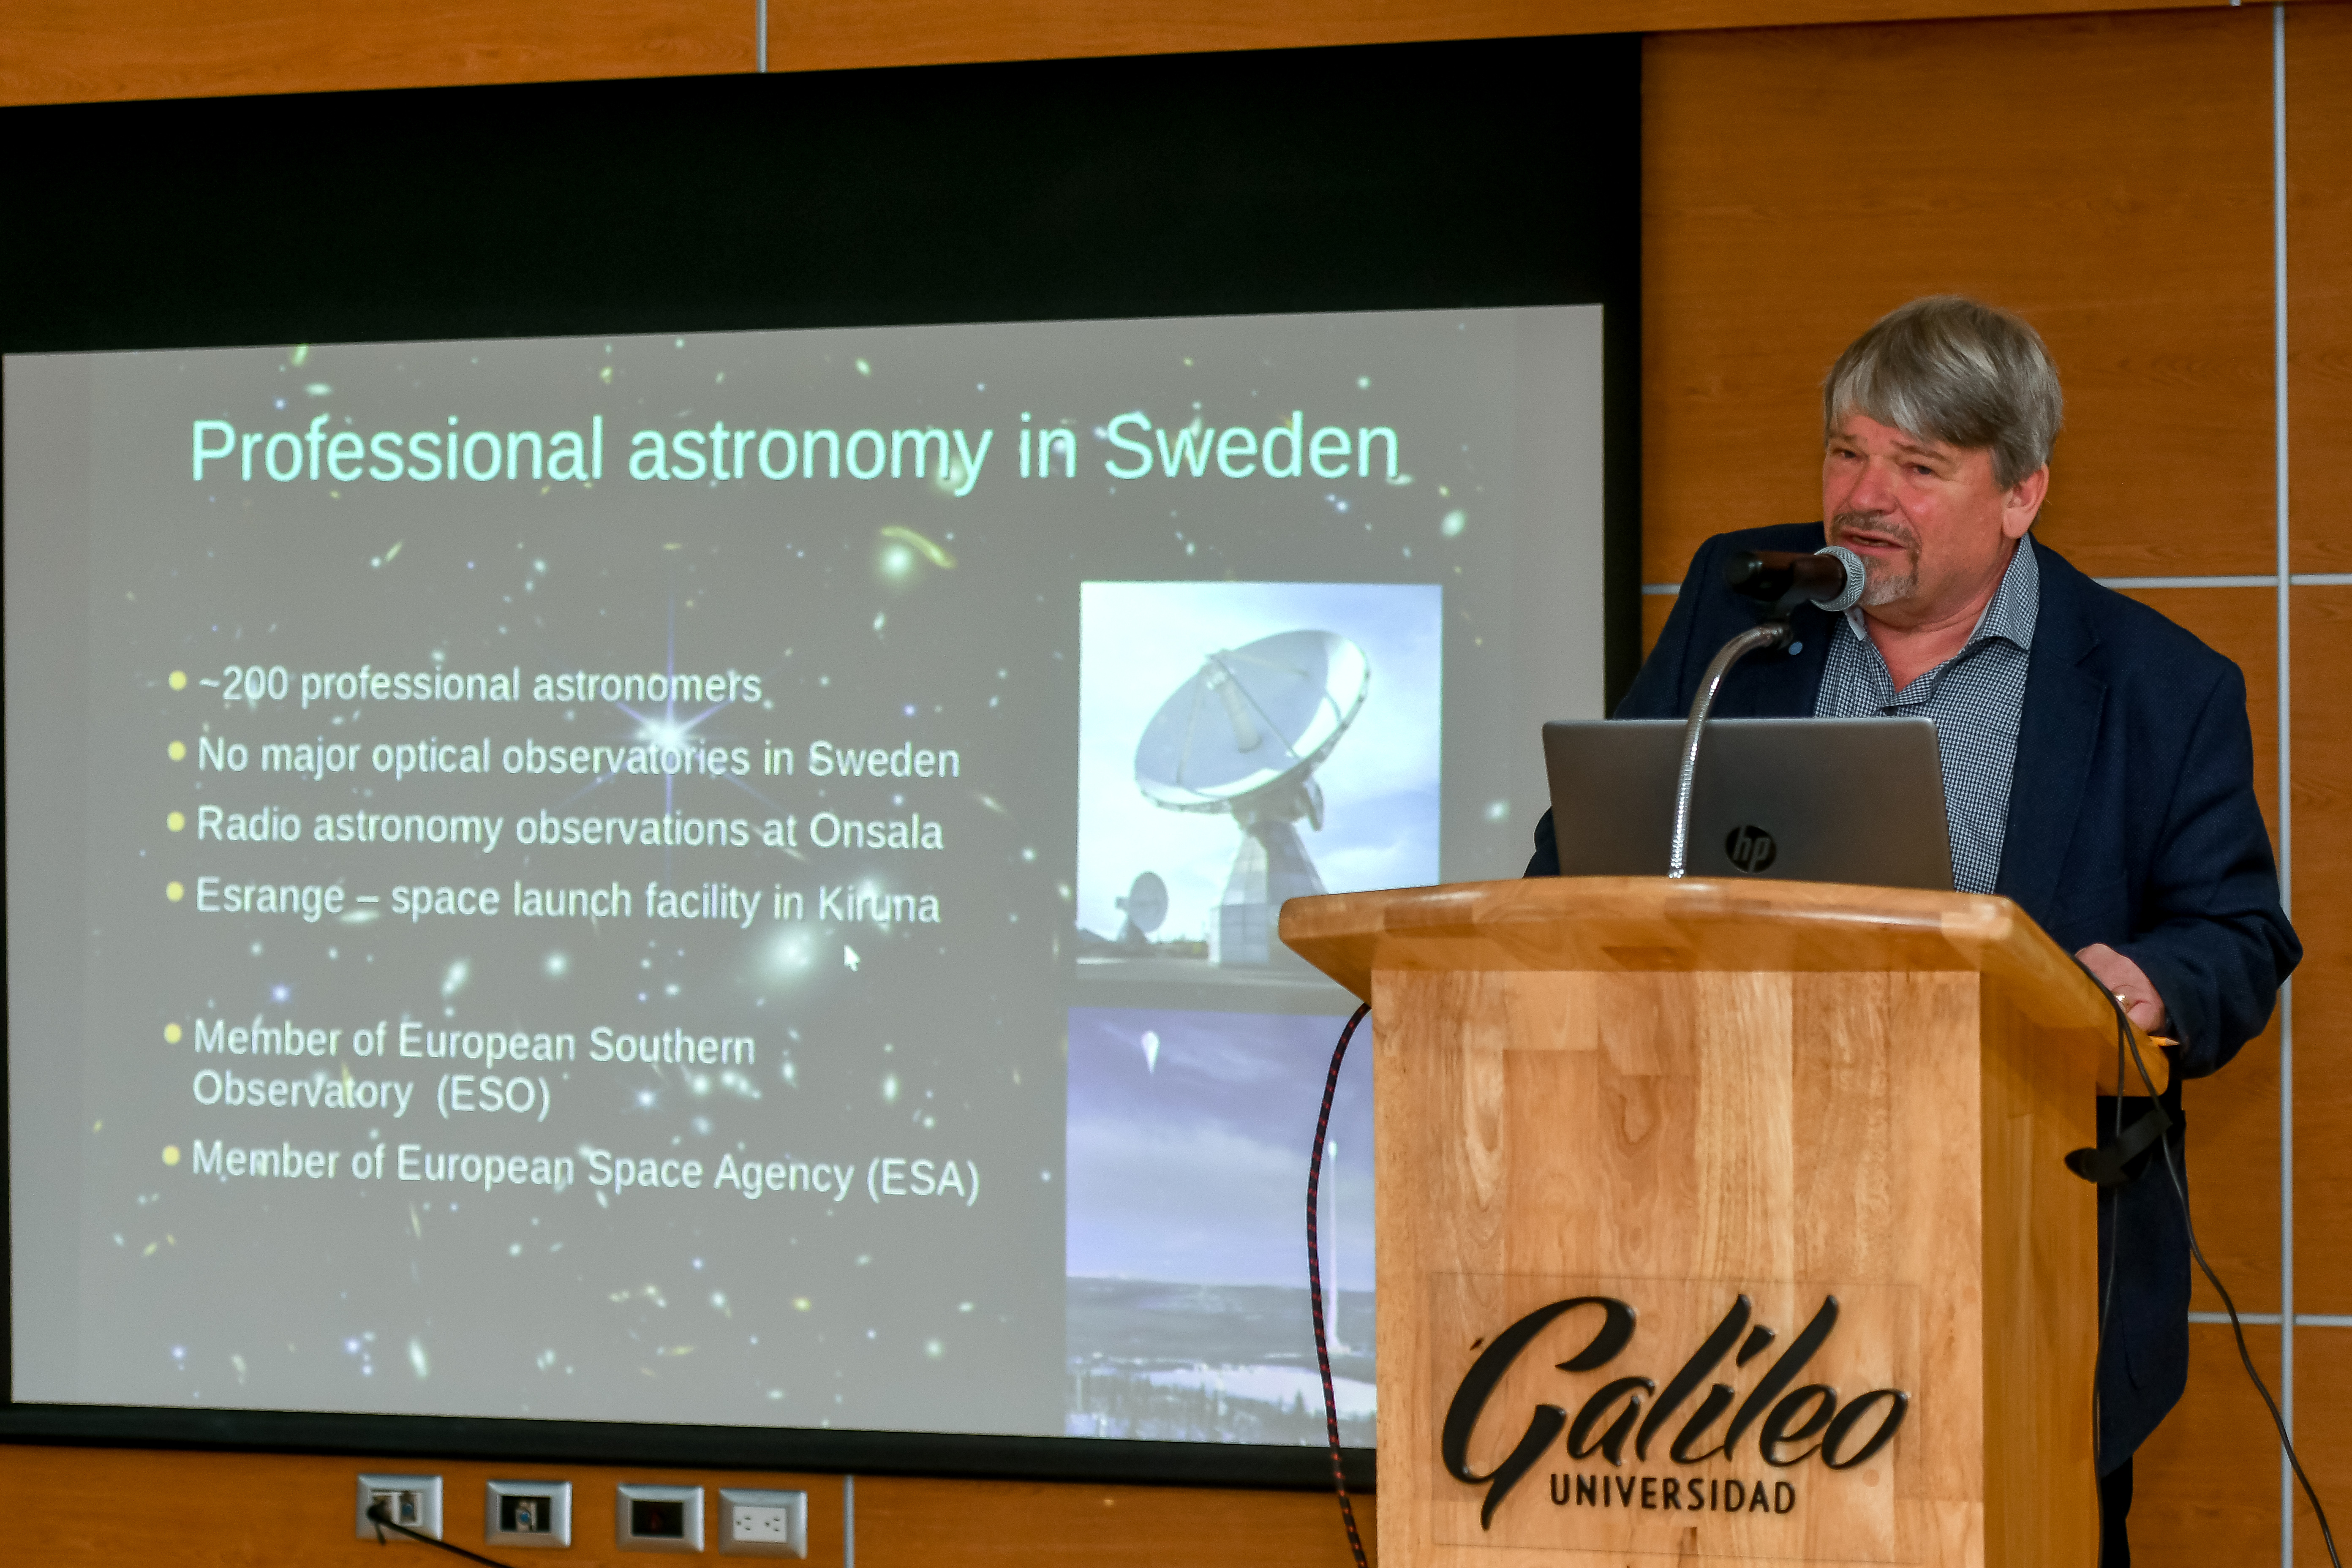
x: 2132, y: 821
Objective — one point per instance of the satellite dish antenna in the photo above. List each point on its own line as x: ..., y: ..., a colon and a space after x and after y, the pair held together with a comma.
x: 1146, y: 904
x: 1242, y: 737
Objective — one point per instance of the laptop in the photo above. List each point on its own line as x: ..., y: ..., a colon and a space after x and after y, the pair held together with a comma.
x: 1811, y: 800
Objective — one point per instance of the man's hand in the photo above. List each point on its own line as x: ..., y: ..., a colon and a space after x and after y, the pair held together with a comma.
x: 2123, y: 978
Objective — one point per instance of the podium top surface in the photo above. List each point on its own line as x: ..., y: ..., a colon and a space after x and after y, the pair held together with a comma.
x: 1650, y: 924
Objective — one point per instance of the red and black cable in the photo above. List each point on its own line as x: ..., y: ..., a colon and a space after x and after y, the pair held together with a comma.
x: 1314, y: 1283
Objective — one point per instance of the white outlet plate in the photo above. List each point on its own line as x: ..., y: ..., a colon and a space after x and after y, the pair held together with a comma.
x: 685, y: 1501
x: 413, y: 1500
x: 762, y: 1524
x: 545, y: 1506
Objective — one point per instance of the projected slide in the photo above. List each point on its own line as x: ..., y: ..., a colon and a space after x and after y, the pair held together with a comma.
x: 735, y: 880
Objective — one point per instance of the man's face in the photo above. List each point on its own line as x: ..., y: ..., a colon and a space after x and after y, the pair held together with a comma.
x: 1932, y: 527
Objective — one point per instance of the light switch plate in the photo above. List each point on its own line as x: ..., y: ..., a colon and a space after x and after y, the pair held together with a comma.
x: 762, y: 1524
x: 675, y: 1507
x: 411, y: 1500
x: 527, y: 1513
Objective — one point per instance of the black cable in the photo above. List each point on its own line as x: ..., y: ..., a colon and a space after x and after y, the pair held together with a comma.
x: 2106, y: 1301
x: 2124, y: 1036
x: 1315, y: 1284
x: 381, y: 1517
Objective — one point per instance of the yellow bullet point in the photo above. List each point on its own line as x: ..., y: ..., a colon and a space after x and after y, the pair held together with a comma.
x: 173, y: 891
x: 176, y: 822
x: 179, y: 681
x: 170, y: 1034
x: 171, y: 1153
x: 176, y: 751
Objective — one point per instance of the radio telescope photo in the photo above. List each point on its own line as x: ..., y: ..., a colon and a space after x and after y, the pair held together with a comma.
x: 1241, y: 745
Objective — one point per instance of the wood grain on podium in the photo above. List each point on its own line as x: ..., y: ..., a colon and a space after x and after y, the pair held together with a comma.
x: 1797, y: 185
x: 1625, y: 1079
x: 1651, y: 925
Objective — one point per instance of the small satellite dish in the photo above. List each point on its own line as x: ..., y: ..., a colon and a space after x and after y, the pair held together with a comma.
x: 1146, y: 904
x: 1243, y: 737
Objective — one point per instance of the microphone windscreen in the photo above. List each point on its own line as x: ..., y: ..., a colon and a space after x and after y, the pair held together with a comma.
x: 1856, y: 577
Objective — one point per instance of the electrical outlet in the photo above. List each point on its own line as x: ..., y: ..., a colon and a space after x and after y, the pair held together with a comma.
x: 762, y: 1524
x: 754, y: 1523
x: 413, y: 1501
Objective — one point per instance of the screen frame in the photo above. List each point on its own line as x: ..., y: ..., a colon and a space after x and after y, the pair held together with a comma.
x: 1378, y: 177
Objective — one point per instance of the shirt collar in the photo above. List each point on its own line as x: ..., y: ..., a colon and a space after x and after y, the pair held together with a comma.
x: 2016, y: 604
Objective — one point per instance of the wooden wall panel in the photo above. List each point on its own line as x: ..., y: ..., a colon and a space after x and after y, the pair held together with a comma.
x: 2322, y: 918
x: 1010, y: 1524
x: 2233, y: 1176
x: 254, y: 1508
x: 2109, y: 178
x: 2323, y: 1377
x: 819, y: 35
x: 59, y: 51
x: 75, y: 1506
x: 2205, y: 1487
x: 71, y: 51
x: 2319, y: 284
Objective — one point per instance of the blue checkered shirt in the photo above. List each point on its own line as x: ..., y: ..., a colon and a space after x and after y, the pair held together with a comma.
x: 1977, y: 698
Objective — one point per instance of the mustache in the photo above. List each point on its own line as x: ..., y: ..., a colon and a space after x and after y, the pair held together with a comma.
x: 1879, y: 523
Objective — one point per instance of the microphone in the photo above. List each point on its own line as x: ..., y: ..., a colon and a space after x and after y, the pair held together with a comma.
x: 1831, y: 578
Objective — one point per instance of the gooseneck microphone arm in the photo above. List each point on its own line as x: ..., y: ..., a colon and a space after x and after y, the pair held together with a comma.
x: 1771, y: 634
x: 1831, y: 578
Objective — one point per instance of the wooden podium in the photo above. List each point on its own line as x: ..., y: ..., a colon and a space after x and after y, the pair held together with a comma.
x: 1727, y: 1221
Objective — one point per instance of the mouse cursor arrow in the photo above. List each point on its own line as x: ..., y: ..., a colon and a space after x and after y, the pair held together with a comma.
x: 848, y: 956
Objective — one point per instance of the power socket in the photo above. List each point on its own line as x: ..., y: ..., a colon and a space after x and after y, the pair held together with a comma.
x: 411, y: 1500
x: 763, y: 1523
x: 753, y: 1522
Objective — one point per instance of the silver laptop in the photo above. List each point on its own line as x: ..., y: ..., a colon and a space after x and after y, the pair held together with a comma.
x: 1811, y: 800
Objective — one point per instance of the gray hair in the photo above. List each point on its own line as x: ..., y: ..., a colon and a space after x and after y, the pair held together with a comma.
x: 1953, y: 371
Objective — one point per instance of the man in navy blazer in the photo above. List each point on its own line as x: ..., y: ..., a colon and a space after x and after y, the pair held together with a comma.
x: 2097, y: 754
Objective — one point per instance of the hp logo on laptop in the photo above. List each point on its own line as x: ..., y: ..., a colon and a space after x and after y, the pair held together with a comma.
x: 1751, y: 850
